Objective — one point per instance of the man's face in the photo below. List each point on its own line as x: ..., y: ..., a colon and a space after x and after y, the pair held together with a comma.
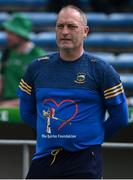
x: 70, y: 30
x: 14, y: 41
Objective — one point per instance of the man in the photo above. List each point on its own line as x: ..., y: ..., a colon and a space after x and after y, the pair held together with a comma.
x: 19, y: 52
x: 64, y: 96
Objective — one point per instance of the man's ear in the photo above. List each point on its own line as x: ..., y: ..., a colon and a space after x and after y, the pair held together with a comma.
x: 86, y: 31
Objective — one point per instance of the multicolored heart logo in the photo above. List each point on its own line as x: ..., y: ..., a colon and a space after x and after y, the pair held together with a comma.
x: 61, y: 103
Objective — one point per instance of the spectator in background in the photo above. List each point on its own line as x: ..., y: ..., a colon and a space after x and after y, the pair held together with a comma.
x: 19, y: 52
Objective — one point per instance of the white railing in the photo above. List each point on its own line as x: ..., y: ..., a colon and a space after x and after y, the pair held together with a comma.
x: 26, y: 154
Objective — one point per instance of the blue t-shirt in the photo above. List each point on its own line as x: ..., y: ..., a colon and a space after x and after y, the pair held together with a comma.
x: 69, y: 100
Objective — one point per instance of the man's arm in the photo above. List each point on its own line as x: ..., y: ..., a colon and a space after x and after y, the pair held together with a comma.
x: 28, y: 112
x: 118, y: 118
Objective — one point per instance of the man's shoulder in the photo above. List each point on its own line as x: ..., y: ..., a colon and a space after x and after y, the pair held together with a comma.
x: 47, y: 57
x: 96, y: 61
x: 43, y: 60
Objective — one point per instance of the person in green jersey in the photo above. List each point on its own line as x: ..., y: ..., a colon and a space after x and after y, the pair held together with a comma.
x: 15, y: 58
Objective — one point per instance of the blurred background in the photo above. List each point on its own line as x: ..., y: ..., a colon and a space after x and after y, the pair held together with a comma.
x: 110, y: 38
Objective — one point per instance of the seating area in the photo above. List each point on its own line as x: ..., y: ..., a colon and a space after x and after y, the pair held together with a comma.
x: 24, y: 5
x: 109, y: 42
x: 41, y: 5
x: 98, y: 22
x: 32, y: 5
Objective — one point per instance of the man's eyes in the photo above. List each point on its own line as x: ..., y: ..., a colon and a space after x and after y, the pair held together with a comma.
x: 60, y: 26
x: 70, y: 26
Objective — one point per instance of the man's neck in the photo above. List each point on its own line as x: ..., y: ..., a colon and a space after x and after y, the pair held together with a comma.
x: 70, y: 55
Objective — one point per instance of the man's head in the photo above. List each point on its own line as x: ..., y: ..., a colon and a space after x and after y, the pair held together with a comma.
x: 71, y: 28
x: 18, y: 29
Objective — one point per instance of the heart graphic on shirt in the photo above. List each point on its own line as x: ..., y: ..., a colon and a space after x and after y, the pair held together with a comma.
x: 59, y: 104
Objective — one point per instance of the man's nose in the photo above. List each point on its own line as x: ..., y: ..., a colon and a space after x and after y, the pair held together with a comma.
x: 65, y: 30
